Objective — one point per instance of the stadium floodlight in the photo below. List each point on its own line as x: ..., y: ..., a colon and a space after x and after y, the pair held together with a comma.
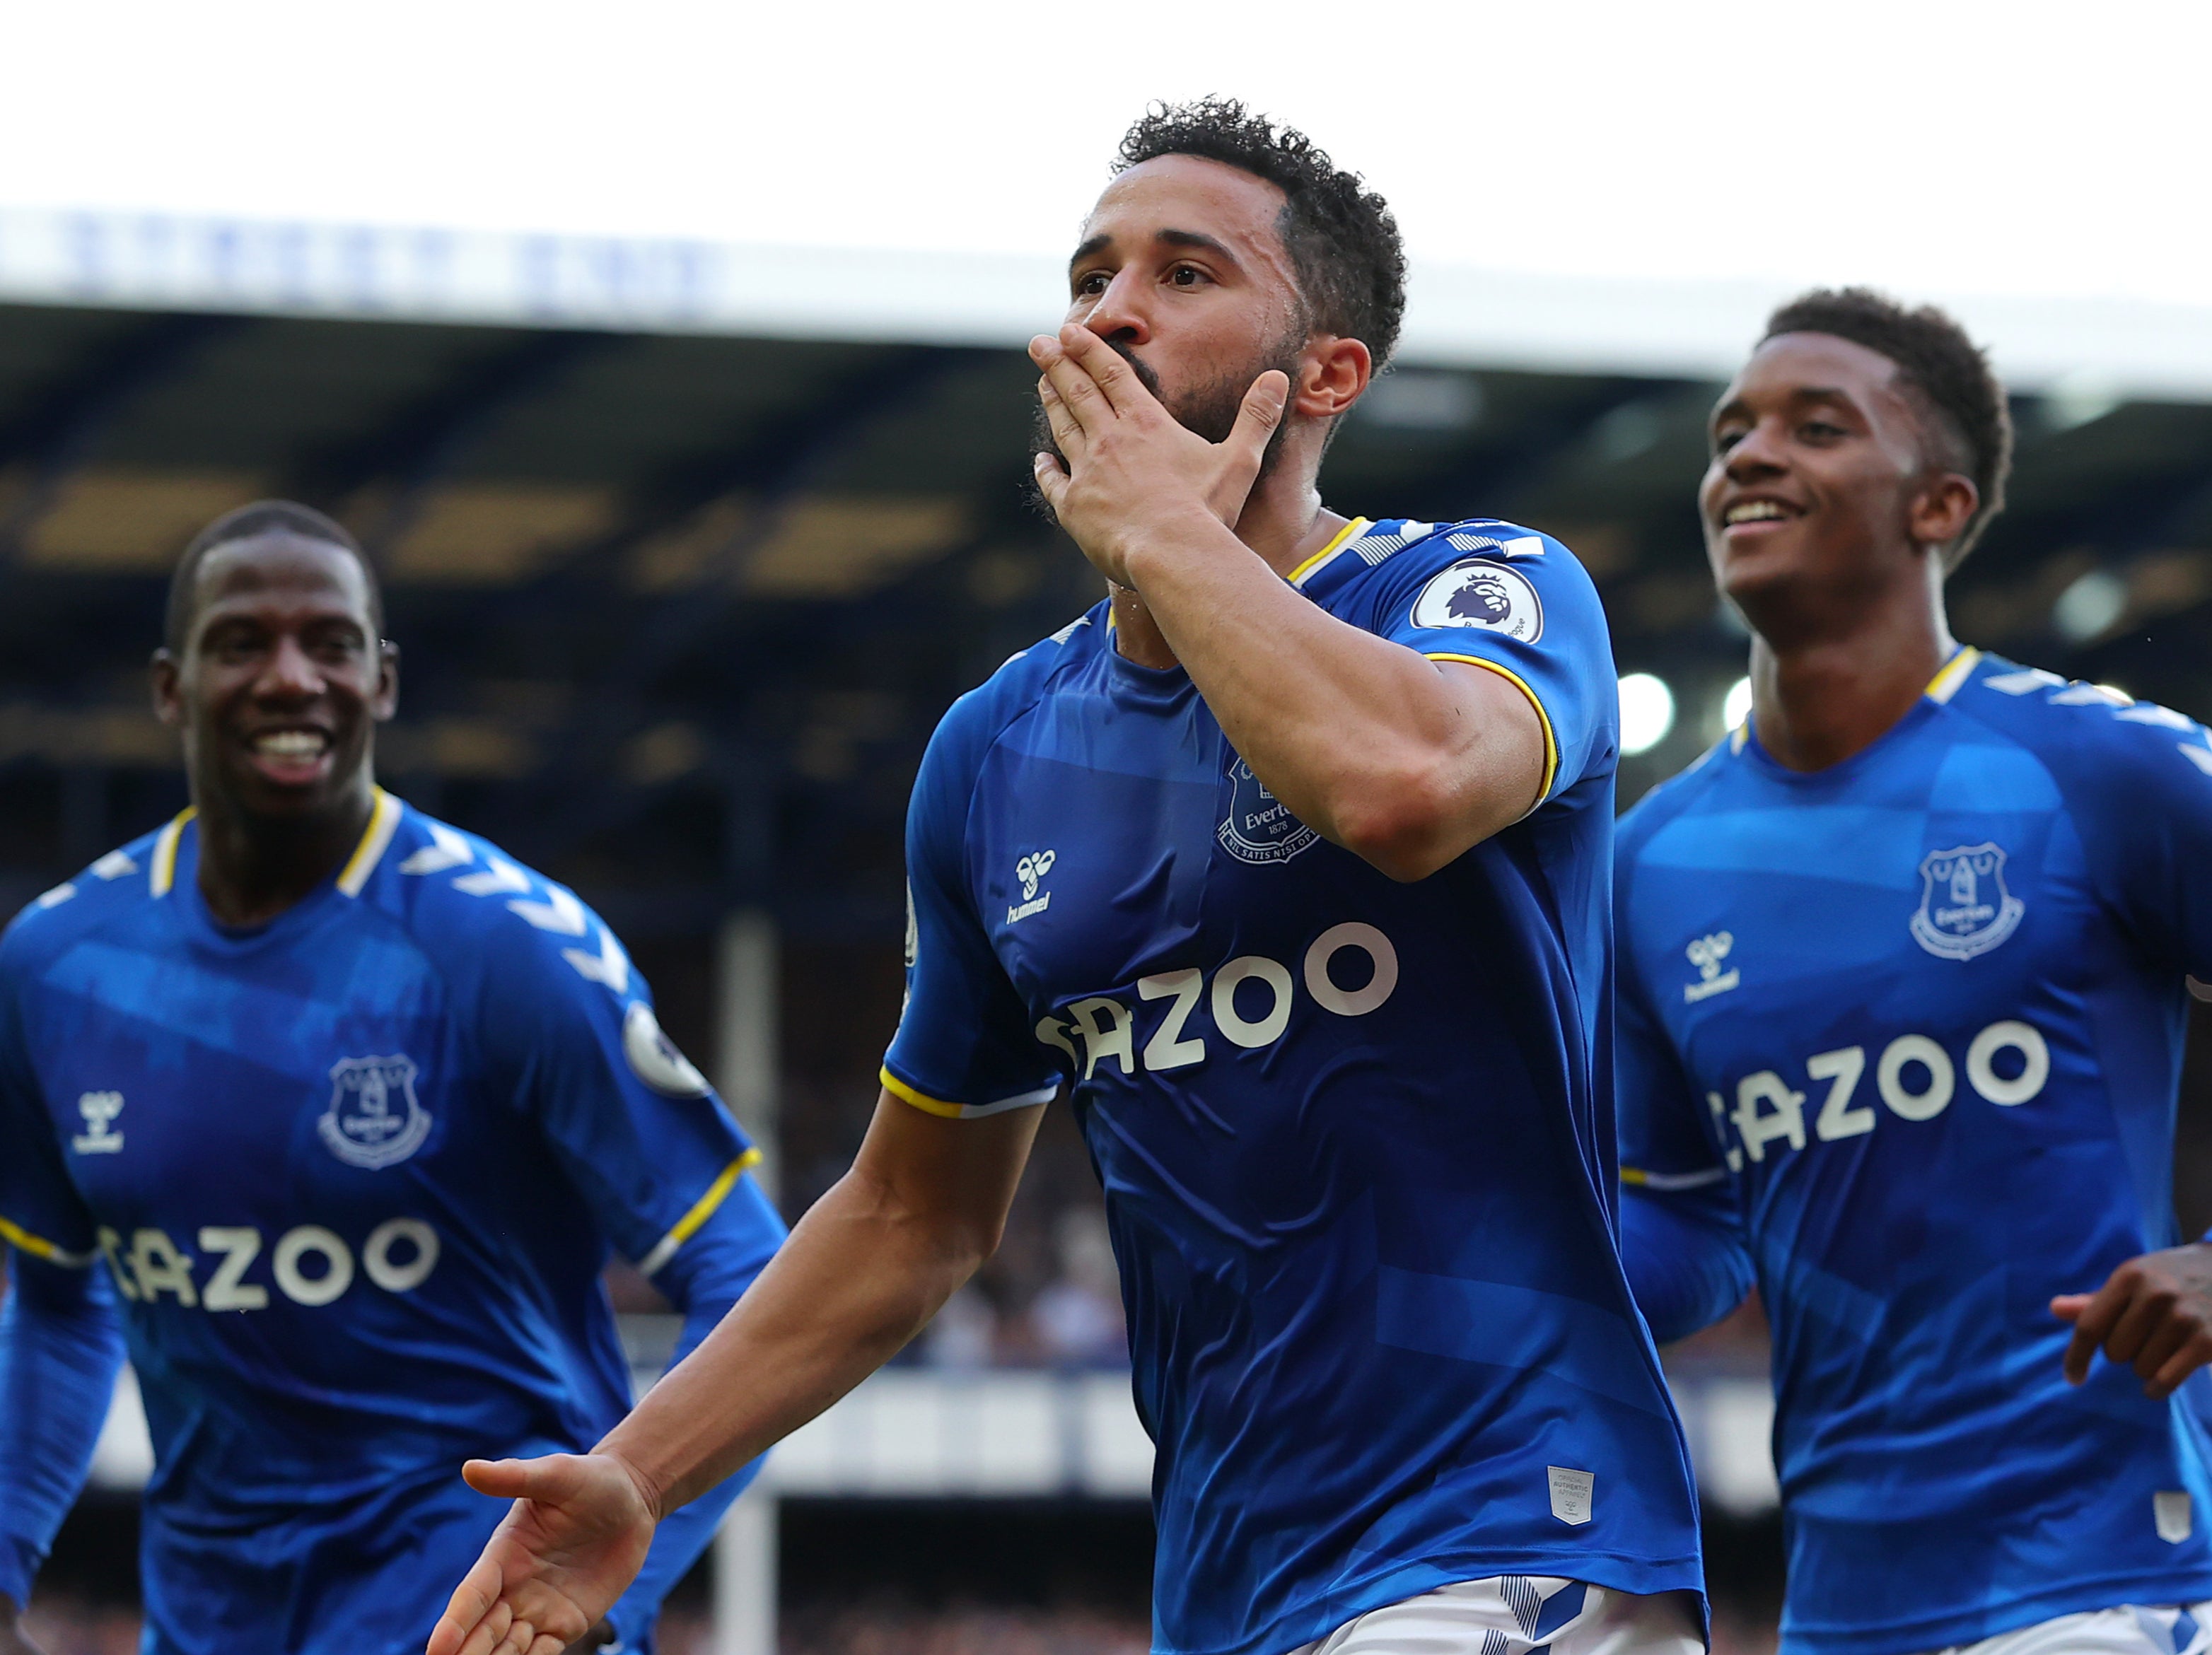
x: 1647, y: 711
x: 2090, y: 607
x: 1736, y: 705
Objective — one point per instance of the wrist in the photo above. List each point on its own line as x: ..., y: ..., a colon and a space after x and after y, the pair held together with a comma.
x: 652, y: 1489
x: 1156, y: 546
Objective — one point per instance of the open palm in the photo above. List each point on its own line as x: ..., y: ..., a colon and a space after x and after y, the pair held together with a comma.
x: 576, y: 1537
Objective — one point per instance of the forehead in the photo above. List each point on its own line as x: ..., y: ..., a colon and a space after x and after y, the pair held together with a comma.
x: 1188, y: 192
x: 1802, y: 364
x: 279, y: 572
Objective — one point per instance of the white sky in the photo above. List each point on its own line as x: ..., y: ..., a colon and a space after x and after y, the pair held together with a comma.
x: 1935, y: 146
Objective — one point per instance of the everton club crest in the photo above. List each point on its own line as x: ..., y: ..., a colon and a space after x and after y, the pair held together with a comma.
x: 1260, y: 827
x: 374, y: 1118
x: 1964, y: 909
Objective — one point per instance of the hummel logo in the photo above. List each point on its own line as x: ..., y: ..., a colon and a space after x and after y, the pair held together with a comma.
x: 1031, y: 871
x: 1707, y: 954
x: 99, y: 1137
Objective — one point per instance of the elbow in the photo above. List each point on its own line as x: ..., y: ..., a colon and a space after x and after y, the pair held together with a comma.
x: 1407, y: 826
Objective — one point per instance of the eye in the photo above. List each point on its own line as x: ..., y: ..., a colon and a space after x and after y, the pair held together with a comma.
x: 1187, y: 275
x: 1091, y: 285
x: 1727, y: 438
x: 1820, y: 431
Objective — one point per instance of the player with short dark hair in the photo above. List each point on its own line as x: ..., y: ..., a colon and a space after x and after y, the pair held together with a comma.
x: 353, y: 1107
x: 1902, y: 1009
x: 1289, y: 861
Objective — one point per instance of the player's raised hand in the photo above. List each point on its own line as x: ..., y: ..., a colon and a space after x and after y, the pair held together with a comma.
x: 576, y: 1537
x: 2153, y: 1314
x: 1133, y: 471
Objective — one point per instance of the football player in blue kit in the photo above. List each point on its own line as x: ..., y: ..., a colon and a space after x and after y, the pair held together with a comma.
x: 332, y: 1113
x: 1902, y: 1013
x: 1289, y: 864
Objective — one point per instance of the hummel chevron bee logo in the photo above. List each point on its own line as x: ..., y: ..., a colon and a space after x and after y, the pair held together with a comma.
x: 1031, y: 871
x: 1707, y: 954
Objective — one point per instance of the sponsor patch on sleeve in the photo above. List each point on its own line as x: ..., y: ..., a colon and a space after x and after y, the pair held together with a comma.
x: 1481, y: 593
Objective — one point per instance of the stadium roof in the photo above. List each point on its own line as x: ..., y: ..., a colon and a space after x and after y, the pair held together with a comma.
x: 679, y: 609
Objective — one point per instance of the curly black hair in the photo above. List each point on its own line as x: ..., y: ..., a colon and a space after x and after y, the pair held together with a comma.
x: 263, y: 517
x: 1948, y: 374
x: 1342, y: 242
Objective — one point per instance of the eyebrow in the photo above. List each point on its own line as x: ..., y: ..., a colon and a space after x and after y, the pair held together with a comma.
x: 1169, y: 237
x: 1804, y: 394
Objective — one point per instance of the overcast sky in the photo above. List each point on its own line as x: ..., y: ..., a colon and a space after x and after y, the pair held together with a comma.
x: 1935, y: 146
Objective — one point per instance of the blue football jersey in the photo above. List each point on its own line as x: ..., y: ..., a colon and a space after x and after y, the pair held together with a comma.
x: 1355, y: 1136
x: 356, y: 1173
x: 1915, y: 1023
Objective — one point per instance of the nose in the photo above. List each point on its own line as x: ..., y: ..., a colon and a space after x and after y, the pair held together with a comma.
x: 1117, y: 315
x: 290, y: 675
x: 1757, y: 453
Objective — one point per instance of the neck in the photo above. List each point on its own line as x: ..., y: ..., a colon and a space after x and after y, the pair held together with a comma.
x: 1284, y: 522
x: 1820, y: 694
x: 252, y: 868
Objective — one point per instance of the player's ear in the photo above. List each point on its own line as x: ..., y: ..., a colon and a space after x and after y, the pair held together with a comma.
x: 386, y: 701
x: 1333, y: 373
x: 169, y: 705
x: 1943, y: 508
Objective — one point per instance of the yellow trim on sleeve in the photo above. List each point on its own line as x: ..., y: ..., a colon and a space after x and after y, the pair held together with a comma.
x: 921, y: 1100
x: 701, y: 1210
x: 382, y: 821
x: 1551, y: 742
x: 38, y: 1247
x: 1350, y: 532
x: 1945, y: 684
x: 1634, y: 1175
x: 164, y: 874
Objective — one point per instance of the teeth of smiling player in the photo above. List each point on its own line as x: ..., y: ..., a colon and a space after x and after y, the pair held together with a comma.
x: 1753, y: 511
x: 289, y: 743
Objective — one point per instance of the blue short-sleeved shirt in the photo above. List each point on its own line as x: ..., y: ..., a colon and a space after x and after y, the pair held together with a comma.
x: 1917, y: 1021
x: 1355, y: 1136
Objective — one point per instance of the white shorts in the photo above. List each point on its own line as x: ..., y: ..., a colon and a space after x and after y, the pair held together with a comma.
x: 1517, y: 1614
x: 2174, y: 1629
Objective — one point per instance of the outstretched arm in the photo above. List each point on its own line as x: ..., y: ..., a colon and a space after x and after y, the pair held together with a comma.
x: 704, y: 1279
x: 865, y: 1270
x: 61, y: 1345
x: 1405, y: 762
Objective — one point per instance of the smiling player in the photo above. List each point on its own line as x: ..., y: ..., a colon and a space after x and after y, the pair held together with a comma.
x: 1901, y: 1022
x: 1290, y: 862
x: 353, y: 1107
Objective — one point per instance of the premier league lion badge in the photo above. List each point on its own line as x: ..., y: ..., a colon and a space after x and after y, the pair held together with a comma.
x: 374, y: 1118
x: 1260, y: 827
x: 1964, y: 909
x: 1478, y: 592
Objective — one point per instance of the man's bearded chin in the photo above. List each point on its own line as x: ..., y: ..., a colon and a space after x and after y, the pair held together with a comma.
x: 1211, y: 411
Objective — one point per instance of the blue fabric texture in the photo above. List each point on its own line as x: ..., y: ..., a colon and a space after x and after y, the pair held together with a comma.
x: 61, y: 1347
x: 1355, y: 1136
x: 1909, y: 1031
x: 353, y: 1175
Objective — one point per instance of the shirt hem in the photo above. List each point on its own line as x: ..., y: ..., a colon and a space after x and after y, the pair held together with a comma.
x: 1946, y: 1631
x: 1317, y: 1617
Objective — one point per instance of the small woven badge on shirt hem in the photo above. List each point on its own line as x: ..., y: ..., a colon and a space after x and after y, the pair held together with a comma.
x: 1571, y: 1493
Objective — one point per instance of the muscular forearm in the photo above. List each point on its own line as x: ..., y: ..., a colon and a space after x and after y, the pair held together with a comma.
x: 1365, y: 740
x: 861, y: 1274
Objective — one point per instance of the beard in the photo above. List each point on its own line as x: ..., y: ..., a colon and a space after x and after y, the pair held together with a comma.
x: 1210, y: 411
